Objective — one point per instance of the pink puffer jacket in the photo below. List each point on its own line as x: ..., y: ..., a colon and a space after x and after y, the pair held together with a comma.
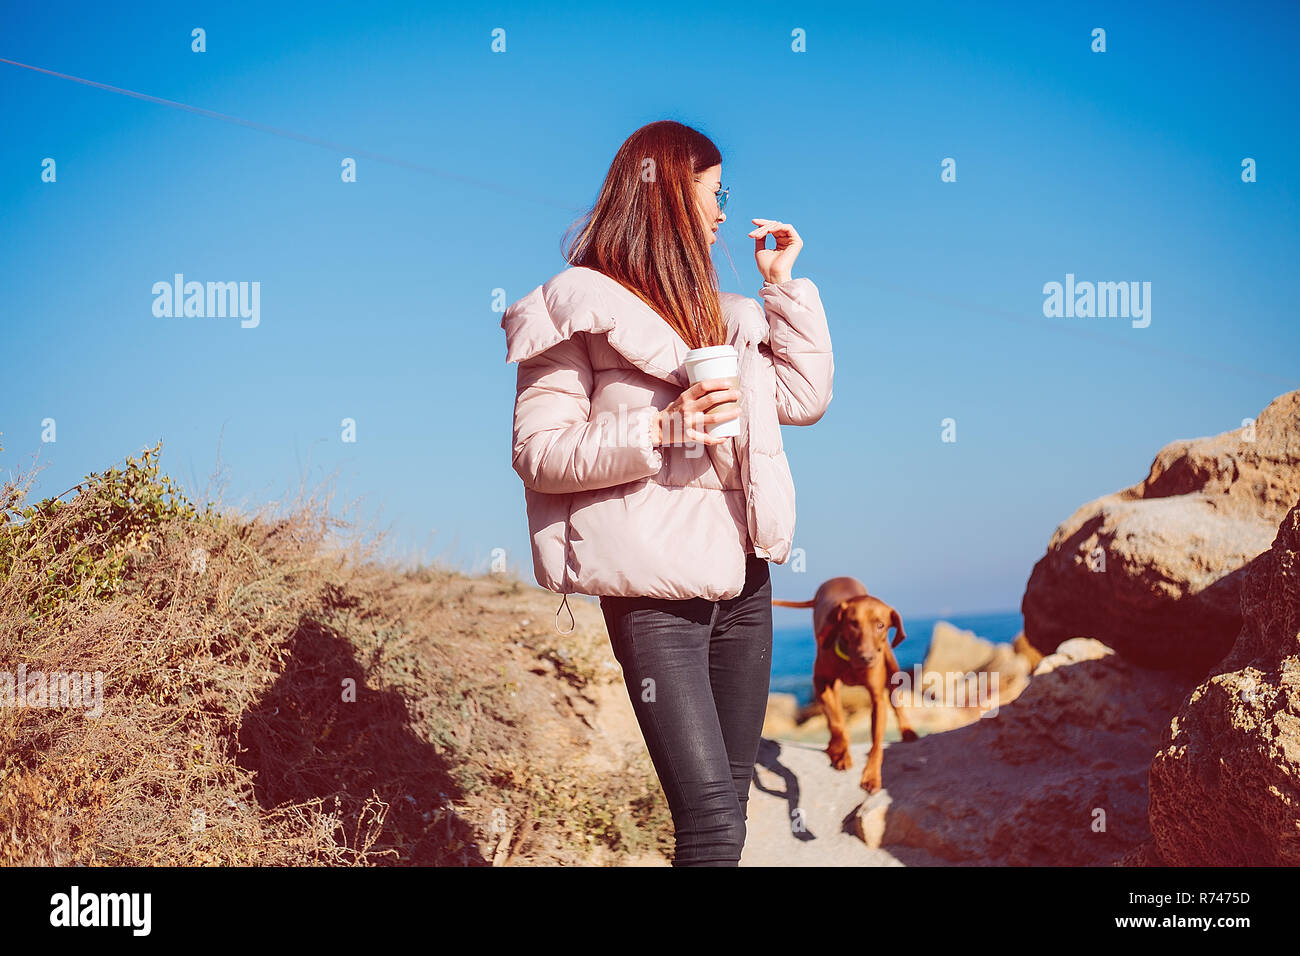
x: 610, y: 514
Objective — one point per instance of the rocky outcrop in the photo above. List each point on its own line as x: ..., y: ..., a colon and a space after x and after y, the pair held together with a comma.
x: 1155, y: 571
x: 1057, y: 777
x: 953, y: 650
x: 957, y: 685
x: 1225, y: 782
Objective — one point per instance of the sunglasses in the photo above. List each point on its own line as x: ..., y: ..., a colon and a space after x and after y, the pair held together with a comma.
x: 721, y: 195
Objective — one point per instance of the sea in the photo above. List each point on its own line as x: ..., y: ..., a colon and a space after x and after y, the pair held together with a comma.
x: 793, y: 650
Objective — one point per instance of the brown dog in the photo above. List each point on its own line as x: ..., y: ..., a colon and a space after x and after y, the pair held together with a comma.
x: 852, y: 633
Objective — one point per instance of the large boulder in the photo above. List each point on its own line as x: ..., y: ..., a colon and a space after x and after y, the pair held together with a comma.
x: 1155, y: 571
x: 954, y: 650
x: 1057, y: 778
x: 1225, y: 783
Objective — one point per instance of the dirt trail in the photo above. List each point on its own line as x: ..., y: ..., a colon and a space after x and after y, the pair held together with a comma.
x: 789, y: 776
x: 800, y: 808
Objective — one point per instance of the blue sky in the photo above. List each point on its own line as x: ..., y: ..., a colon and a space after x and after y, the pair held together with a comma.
x: 376, y: 295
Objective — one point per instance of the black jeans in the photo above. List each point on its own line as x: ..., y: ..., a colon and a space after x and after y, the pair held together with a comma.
x: 698, y: 673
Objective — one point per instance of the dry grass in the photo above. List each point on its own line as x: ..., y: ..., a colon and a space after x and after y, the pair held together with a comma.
x: 273, y: 695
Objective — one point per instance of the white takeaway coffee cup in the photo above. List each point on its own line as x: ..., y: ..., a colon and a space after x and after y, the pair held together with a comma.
x: 716, y: 361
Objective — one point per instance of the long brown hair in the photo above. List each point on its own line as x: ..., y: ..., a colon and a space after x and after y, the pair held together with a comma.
x: 644, y: 230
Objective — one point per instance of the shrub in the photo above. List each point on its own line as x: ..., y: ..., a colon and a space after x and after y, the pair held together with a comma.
x: 55, y: 555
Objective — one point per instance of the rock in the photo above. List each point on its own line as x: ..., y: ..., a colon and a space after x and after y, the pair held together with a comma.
x: 1144, y: 854
x: 961, y: 669
x: 1154, y: 571
x: 1225, y: 782
x: 852, y: 698
x: 1013, y: 671
x: 952, y: 653
x: 782, y: 714
x: 953, y: 649
x: 1057, y: 777
x: 1022, y: 647
x: 869, y: 820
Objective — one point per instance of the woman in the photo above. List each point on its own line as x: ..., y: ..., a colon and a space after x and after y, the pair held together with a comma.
x: 630, y: 498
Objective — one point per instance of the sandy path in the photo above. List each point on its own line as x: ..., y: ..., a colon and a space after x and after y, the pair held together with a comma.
x: 794, y: 781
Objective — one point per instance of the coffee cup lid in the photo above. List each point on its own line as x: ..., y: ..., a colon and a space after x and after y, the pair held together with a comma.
x: 709, y: 352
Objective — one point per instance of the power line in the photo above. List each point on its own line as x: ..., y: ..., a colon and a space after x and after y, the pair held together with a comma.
x: 1001, y: 315
x: 300, y: 137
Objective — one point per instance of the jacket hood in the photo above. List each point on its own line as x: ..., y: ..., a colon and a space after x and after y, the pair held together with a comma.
x: 581, y: 299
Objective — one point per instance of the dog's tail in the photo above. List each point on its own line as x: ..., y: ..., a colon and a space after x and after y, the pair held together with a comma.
x: 793, y: 603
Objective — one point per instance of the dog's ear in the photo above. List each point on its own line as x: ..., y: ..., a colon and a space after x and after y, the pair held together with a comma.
x: 832, y: 622
x: 898, y: 626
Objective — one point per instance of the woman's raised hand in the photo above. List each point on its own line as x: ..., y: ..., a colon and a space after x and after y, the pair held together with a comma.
x: 686, y: 418
x: 775, y: 264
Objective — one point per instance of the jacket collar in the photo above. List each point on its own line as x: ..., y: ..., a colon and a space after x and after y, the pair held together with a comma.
x: 581, y: 299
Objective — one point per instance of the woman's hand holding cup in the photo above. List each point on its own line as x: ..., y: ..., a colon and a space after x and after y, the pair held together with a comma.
x: 690, y: 413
